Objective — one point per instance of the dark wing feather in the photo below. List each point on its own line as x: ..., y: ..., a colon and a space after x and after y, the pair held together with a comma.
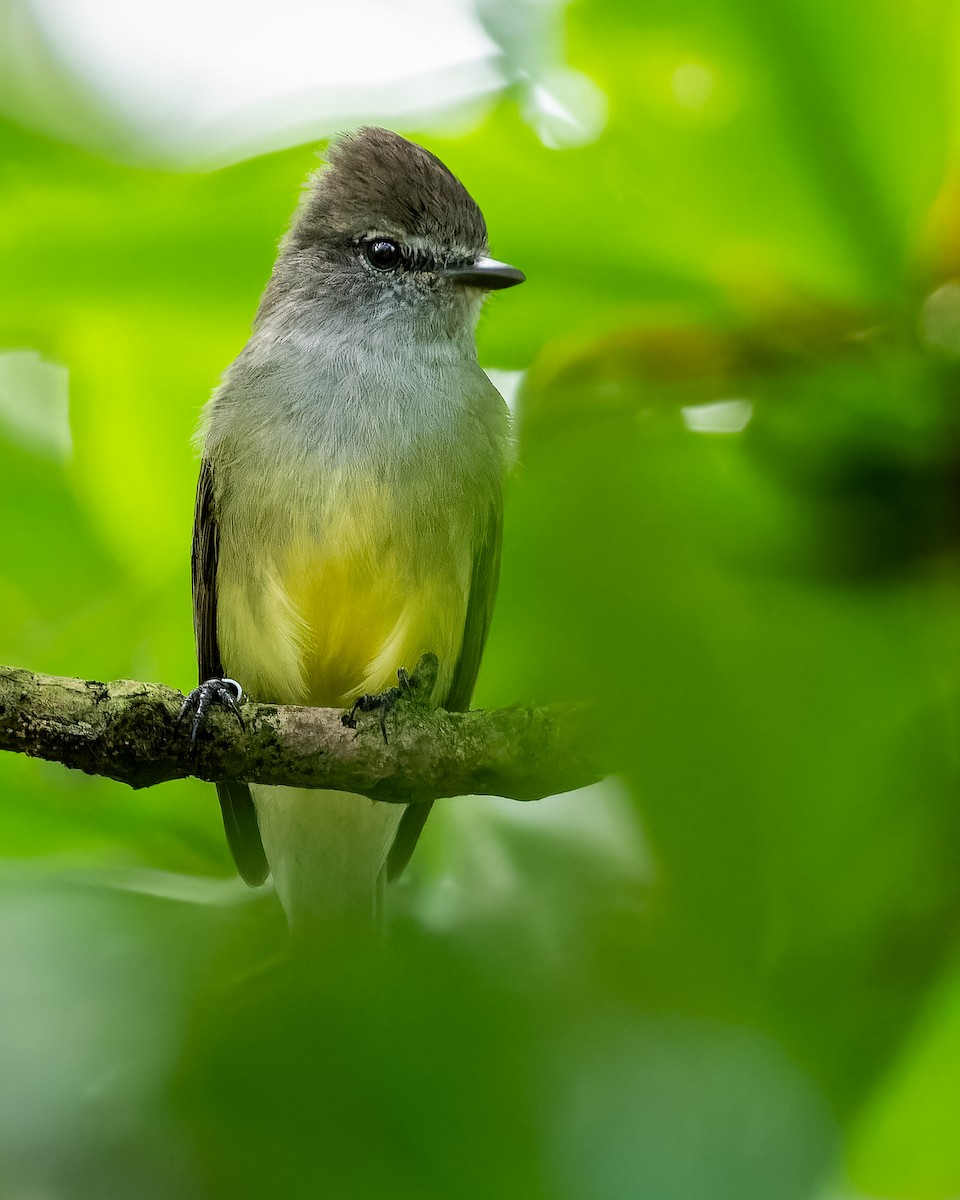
x: 236, y: 803
x: 483, y: 591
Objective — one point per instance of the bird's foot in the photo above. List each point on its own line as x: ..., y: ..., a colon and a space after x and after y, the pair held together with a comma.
x: 381, y: 702
x: 226, y: 693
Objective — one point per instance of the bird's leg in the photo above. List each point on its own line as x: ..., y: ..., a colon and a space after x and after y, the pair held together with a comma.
x: 225, y: 692
x: 381, y: 702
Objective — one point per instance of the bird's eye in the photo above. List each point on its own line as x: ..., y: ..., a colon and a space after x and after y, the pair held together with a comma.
x: 382, y: 253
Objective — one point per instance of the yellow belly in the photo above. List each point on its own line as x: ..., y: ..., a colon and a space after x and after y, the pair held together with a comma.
x: 307, y: 620
x: 363, y: 620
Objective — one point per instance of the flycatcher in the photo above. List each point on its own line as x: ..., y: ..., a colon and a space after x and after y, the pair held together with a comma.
x: 349, y: 507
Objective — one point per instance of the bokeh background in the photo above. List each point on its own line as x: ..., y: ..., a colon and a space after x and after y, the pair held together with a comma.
x: 733, y: 972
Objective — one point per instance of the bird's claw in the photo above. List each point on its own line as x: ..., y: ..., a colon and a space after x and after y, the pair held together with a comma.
x: 382, y: 702
x: 225, y: 692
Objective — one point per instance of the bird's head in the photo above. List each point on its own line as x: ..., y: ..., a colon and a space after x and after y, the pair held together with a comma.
x: 386, y: 231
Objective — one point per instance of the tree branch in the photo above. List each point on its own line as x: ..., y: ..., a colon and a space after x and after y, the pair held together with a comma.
x: 131, y: 732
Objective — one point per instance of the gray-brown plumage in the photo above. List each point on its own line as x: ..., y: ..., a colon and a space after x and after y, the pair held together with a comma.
x: 393, y: 181
x: 349, y: 507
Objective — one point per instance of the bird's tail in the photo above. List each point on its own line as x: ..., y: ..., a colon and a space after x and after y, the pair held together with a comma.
x: 327, y: 852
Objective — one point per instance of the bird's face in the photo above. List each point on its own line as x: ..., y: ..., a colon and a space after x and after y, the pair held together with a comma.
x: 387, y: 236
x: 435, y: 275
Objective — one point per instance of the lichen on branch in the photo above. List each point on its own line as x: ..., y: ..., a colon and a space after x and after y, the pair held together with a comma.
x: 132, y: 732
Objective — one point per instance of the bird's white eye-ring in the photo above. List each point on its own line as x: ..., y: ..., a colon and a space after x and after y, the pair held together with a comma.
x: 382, y: 253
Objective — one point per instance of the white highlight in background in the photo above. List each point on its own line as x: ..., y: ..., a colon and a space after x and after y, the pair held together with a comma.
x: 200, y: 81
x: 34, y: 405
x: 723, y: 416
x: 507, y: 384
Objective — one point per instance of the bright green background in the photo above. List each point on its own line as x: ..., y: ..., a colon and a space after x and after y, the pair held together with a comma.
x: 735, y: 974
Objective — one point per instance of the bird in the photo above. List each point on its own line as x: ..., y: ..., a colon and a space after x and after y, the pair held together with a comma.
x: 349, y: 505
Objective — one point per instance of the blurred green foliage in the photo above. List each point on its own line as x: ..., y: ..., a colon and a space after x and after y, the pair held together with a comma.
x: 736, y: 972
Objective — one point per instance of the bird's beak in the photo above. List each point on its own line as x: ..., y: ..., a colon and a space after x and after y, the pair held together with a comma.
x: 486, y: 274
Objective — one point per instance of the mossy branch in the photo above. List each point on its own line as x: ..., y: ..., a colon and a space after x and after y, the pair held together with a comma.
x: 132, y: 732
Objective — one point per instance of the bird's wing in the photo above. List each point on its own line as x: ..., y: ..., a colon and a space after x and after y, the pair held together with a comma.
x: 236, y: 803
x: 483, y: 591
